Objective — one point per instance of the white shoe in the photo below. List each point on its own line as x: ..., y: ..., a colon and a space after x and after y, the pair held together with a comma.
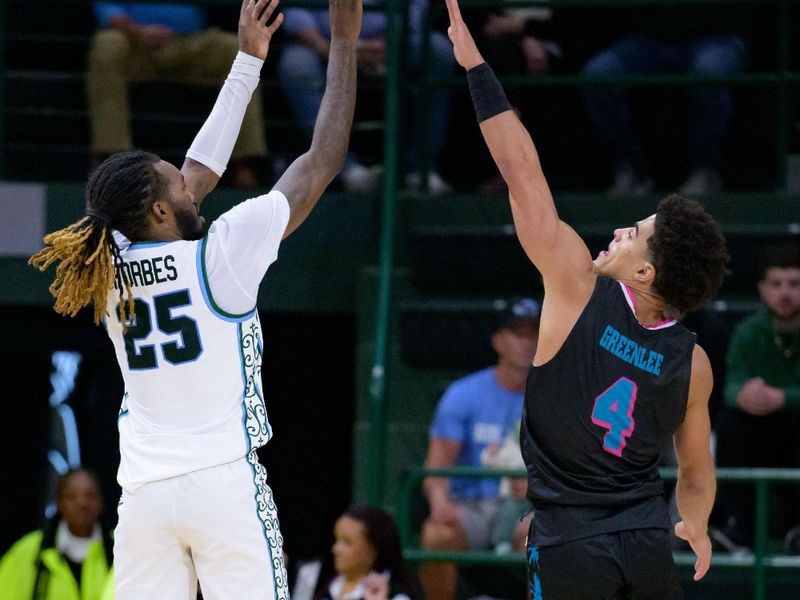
x: 627, y: 182
x: 703, y: 181
x: 362, y: 180
x: 436, y: 185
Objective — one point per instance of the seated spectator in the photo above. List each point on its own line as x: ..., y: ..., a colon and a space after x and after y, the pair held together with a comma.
x: 69, y: 558
x: 367, y: 562
x: 302, y: 75
x: 761, y: 427
x: 705, y: 41
x: 475, y: 412
x: 152, y: 41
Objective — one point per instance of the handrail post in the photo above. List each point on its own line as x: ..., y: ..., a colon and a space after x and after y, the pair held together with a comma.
x: 377, y: 384
x: 760, y: 550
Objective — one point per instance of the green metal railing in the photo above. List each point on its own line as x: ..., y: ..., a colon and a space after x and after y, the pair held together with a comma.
x: 760, y: 561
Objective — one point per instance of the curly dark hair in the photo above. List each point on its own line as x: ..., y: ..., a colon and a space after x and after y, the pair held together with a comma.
x: 689, y: 253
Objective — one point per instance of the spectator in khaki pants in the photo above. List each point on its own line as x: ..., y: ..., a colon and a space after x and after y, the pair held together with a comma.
x: 144, y: 42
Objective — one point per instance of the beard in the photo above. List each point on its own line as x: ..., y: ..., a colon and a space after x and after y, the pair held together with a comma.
x: 785, y: 319
x: 190, y: 226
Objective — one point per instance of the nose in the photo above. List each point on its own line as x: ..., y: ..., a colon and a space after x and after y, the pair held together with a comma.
x: 618, y: 234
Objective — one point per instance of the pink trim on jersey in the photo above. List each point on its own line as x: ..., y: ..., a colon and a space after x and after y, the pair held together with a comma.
x: 628, y: 292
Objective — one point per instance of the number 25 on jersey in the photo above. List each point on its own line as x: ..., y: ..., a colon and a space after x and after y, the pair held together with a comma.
x: 186, y: 349
x: 613, y: 410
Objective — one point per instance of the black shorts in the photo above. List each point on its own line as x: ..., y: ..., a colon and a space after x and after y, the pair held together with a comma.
x: 624, y: 565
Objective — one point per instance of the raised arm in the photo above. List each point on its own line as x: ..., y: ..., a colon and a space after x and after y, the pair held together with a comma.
x: 697, y: 484
x: 555, y: 249
x: 309, y: 175
x: 209, y: 153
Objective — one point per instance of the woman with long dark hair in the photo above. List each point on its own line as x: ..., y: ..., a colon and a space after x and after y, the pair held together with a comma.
x: 367, y: 559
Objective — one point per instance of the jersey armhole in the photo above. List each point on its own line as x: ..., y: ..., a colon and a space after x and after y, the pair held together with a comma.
x: 205, y: 288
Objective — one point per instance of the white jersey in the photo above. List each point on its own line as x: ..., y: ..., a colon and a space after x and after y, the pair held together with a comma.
x: 191, y: 360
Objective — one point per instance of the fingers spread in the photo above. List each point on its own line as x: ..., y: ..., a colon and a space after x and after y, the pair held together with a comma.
x: 264, y: 10
x: 275, y: 24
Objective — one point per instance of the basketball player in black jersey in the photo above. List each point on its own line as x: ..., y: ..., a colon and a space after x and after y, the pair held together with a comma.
x: 614, y: 378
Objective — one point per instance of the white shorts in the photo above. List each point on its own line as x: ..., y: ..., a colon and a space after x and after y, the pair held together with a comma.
x: 218, y: 525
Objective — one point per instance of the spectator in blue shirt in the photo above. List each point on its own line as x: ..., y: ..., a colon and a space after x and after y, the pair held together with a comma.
x: 302, y: 74
x: 140, y: 41
x: 476, y: 413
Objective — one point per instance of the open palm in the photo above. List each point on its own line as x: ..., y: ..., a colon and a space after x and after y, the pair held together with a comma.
x: 254, y: 33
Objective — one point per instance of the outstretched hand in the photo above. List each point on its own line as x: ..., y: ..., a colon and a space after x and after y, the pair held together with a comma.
x: 701, y: 546
x: 464, y: 48
x: 345, y: 20
x: 254, y: 33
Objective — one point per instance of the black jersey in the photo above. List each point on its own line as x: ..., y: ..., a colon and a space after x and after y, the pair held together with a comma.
x: 597, y: 416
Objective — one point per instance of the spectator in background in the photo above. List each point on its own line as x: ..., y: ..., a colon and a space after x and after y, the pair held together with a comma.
x: 302, y: 75
x: 475, y: 413
x: 367, y: 562
x: 761, y: 427
x: 704, y: 41
x: 69, y: 558
x: 153, y: 41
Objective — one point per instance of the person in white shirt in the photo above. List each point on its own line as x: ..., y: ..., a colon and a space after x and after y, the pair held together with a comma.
x: 183, y: 321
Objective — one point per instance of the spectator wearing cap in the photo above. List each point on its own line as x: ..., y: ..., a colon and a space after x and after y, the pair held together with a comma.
x: 475, y: 415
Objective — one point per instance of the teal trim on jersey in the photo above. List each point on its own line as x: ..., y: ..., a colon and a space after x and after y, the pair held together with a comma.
x: 244, y: 385
x: 252, y: 458
x: 150, y: 244
x: 205, y: 287
x: 122, y: 413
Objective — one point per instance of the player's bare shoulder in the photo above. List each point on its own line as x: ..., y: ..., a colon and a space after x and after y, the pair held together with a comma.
x: 702, y: 378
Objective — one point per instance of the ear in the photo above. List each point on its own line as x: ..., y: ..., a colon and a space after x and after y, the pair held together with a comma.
x: 159, y: 210
x: 761, y: 289
x: 497, y: 341
x: 646, y: 274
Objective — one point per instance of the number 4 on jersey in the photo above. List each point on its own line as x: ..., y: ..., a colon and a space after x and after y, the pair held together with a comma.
x: 613, y: 410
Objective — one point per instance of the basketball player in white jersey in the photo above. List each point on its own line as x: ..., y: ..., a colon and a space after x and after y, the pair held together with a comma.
x: 180, y: 308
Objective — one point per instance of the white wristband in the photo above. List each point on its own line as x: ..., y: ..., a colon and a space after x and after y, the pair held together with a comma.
x: 214, y: 142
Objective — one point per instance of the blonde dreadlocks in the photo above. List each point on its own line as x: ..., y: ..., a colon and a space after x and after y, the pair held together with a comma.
x: 119, y: 194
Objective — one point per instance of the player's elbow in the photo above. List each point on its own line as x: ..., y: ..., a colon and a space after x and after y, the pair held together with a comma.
x: 328, y: 159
